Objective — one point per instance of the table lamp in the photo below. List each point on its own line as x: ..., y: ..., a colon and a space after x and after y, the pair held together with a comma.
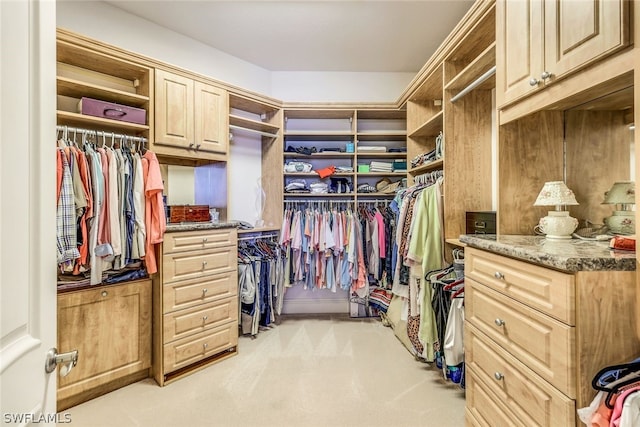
x: 557, y: 224
x: 622, y: 221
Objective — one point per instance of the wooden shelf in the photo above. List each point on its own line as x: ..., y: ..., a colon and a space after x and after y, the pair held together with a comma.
x: 365, y: 174
x: 383, y: 133
x: 329, y: 134
x: 402, y: 155
x: 360, y: 195
x: 252, y: 106
x: 77, y: 89
x: 475, y: 69
x: 326, y: 155
x: 318, y: 114
x: 258, y: 230
x: 456, y: 242
x: 253, y: 125
x: 68, y: 118
x: 436, y: 164
x: 431, y: 127
x: 313, y: 174
x: 318, y: 195
x: 430, y: 88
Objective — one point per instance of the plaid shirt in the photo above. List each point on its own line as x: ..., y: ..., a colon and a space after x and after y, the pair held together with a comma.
x: 66, y: 218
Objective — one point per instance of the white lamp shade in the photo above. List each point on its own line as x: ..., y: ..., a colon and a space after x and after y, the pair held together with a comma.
x: 621, y: 192
x: 555, y: 193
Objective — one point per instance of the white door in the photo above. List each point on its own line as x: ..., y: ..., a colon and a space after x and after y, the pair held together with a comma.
x: 27, y: 210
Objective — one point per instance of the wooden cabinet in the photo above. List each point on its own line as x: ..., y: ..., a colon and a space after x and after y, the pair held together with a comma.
x: 110, y: 326
x: 540, y: 41
x: 535, y: 337
x: 195, y: 320
x: 191, y: 117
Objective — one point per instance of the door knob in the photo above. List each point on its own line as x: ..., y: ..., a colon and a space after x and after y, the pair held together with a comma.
x: 69, y: 360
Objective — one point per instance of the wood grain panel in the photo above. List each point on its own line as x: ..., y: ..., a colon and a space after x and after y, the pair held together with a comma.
x: 606, y: 333
x: 467, y: 159
x: 484, y: 407
x: 199, y: 239
x: 211, y: 118
x: 189, y: 265
x: 192, y: 292
x: 111, y: 329
x: 530, y: 153
x: 183, y: 323
x: 174, y: 110
x: 598, y: 154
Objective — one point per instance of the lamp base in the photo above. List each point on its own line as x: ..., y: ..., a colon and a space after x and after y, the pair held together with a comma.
x: 622, y: 222
x: 558, y: 225
x: 551, y: 236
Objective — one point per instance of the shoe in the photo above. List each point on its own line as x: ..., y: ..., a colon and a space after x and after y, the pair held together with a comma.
x: 391, y: 188
x: 384, y: 182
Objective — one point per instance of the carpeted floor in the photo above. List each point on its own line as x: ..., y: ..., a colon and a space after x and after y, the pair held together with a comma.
x: 306, y: 371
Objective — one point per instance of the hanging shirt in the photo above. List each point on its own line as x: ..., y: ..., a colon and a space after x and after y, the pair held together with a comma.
x: 155, y: 219
x: 140, y: 233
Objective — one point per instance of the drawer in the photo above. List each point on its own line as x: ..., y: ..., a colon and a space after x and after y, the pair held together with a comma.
x: 192, y: 292
x: 189, y: 265
x: 540, y: 342
x: 200, y: 239
x: 184, y: 352
x: 481, y: 223
x: 546, y: 290
x: 183, y: 323
x: 533, y: 401
x: 482, y: 407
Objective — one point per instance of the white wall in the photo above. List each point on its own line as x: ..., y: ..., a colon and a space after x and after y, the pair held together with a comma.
x: 312, y: 86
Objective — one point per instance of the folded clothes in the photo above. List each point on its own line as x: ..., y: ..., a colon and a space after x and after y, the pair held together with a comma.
x: 366, y: 188
x: 295, y: 166
x: 372, y: 149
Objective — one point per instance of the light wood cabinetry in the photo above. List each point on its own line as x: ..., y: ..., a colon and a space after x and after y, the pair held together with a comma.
x: 540, y: 41
x: 191, y: 117
x: 454, y: 97
x: 86, y: 69
x: 195, y: 317
x: 328, y: 131
x: 110, y: 326
x: 535, y: 337
x: 261, y: 119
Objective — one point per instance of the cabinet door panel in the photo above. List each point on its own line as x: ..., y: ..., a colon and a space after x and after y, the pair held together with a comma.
x: 174, y: 110
x: 519, y: 54
x: 211, y: 118
x: 578, y: 32
x: 111, y: 329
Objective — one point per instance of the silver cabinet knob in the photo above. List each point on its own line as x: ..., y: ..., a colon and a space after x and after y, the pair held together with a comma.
x: 498, y: 275
x: 204, y: 264
x: 205, y: 239
x: 198, y: 146
x: 545, y: 75
x: 498, y: 376
x: 104, y: 293
x: 204, y: 318
x: 499, y: 322
x: 191, y: 144
x: 533, y: 81
x: 204, y: 291
x: 204, y: 347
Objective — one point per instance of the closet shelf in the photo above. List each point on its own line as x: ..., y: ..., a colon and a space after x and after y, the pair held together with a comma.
x: 429, y: 128
x: 255, y: 125
x: 68, y: 118
x: 456, y: 242
x: 436, y: 164
x: 383, y: 133
x: 258, y: 230
x: 319, y: 195
x: 320, y: 135
x: 401, y: 155
x: 369, y: 195
x: 77, y: 89
x: 475, y: 69
x: 313, y: 174
x: 364, y: 174
x: 325, y: 155
x: 246, y: 129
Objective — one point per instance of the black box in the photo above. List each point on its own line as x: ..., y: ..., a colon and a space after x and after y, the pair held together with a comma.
x: 481, y: 222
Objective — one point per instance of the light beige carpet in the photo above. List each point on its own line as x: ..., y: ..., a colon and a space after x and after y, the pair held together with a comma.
x: 306, y: 371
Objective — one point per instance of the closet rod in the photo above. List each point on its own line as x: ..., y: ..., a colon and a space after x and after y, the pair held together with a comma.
x: 477, y: 82
x: 259, y: 132
x: 262, y: 236
x: 62, y: 128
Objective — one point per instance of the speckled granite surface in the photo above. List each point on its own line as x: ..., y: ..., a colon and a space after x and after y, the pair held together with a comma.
x: 568, y: 255
x: 191, y: 226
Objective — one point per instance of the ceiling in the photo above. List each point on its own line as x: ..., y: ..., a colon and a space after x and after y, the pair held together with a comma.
x: 326, y: 35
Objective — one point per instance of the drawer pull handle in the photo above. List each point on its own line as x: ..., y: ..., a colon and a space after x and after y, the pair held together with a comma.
x: 498, y: 275
x: 498, y: 376
x: 204, y: 264
x: 499, y: 322
x: 204, y: 318
x: 204, y: 291
x: 204, y: 346
x: 204, y: 239
x: 104, y: 293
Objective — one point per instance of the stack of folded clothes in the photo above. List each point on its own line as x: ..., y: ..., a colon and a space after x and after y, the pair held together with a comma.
x: 297, y: 186
x: 422, y: 159
x: 399, y: 165
x: 366, y: 188
x: 319, y: 188
x: 344, y: 169
x: 307, y: 151
x: 371, y: 149
x: 295, y: 166
x: 381, y: 166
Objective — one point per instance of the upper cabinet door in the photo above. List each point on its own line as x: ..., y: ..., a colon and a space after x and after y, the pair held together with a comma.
x: 580, y: 31
x: 519, y: 48
x: 174, y: 110
x: 211, y: 118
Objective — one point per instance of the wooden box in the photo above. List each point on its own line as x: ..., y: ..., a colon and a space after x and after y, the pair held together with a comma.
x: 189, y: 213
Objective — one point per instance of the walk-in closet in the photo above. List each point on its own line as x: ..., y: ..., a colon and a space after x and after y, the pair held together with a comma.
x: 319, y: 213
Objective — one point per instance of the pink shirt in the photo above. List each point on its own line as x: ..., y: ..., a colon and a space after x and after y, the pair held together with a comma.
x: 154, y: 217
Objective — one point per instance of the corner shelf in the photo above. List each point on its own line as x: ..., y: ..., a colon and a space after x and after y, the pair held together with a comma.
x: 475, y: 69
x: 68, y: 118
x: 77, y: 89
x: 266, y: 129
x: 436, y: 164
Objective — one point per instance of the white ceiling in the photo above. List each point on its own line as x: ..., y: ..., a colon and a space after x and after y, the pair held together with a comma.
x: 326, y: 35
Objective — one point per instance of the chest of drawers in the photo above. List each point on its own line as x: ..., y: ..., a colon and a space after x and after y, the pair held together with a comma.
x: 195, y: 302
x: 535, y: 337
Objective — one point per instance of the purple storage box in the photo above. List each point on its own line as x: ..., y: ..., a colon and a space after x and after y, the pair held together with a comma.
x: 111, y: 110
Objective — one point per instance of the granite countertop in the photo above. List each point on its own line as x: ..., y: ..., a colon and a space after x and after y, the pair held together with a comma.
x: 191, y: 226
x: 568, y: 255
